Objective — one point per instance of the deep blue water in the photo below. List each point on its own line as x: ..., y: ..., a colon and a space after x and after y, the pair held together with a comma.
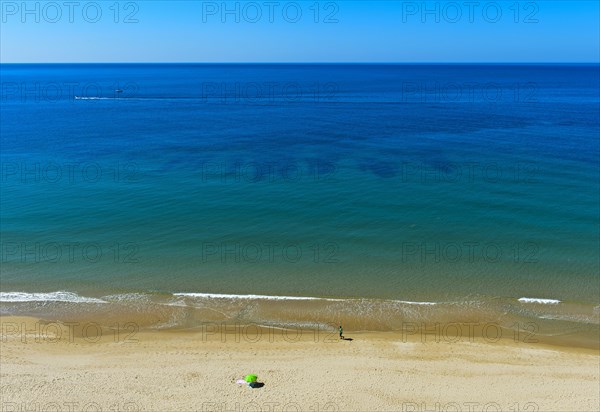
x: 415, y: 182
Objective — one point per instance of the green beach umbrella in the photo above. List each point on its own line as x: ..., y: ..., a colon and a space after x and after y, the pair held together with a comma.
x: 251, y: 378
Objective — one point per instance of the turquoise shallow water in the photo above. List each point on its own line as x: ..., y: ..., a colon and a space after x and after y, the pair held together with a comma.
x: 388, y: 182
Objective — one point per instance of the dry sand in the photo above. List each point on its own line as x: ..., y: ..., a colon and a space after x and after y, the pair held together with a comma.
x: 197, y: 370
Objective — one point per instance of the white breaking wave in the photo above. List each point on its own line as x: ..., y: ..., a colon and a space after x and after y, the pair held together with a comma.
x: 262, y: 297
x: 537, y: 300
x: 94, y: 98
x: 274, y: 297
x: 46, y: 297
x: 62, y: 296
x: 416, y: 303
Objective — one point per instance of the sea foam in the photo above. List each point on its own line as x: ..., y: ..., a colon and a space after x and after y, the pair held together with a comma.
x: 256, y: 297
x: 276, y: 297
x: 47, y: 297
x: 542, y: 301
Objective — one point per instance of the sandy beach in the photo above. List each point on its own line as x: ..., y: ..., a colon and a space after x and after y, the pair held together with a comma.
x: 44, y: 367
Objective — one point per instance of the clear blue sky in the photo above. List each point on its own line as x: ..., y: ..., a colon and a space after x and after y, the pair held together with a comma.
x: 342, y: 31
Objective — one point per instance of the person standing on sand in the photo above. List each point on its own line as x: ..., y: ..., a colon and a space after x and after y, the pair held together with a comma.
x: 341, y: 332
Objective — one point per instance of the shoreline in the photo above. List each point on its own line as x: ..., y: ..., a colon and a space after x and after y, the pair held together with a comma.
x: 526, y: 320
x: 192, y: 370
x: 34, y: 330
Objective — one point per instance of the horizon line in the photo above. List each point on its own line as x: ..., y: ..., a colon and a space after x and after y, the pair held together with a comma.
x: 314, y: 63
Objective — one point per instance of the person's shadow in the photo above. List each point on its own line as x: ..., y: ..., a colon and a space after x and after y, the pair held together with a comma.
x: 255, y: 385
x: 350, y: 339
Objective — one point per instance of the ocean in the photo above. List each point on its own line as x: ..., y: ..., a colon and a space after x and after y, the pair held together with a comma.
x: 299, y: 194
